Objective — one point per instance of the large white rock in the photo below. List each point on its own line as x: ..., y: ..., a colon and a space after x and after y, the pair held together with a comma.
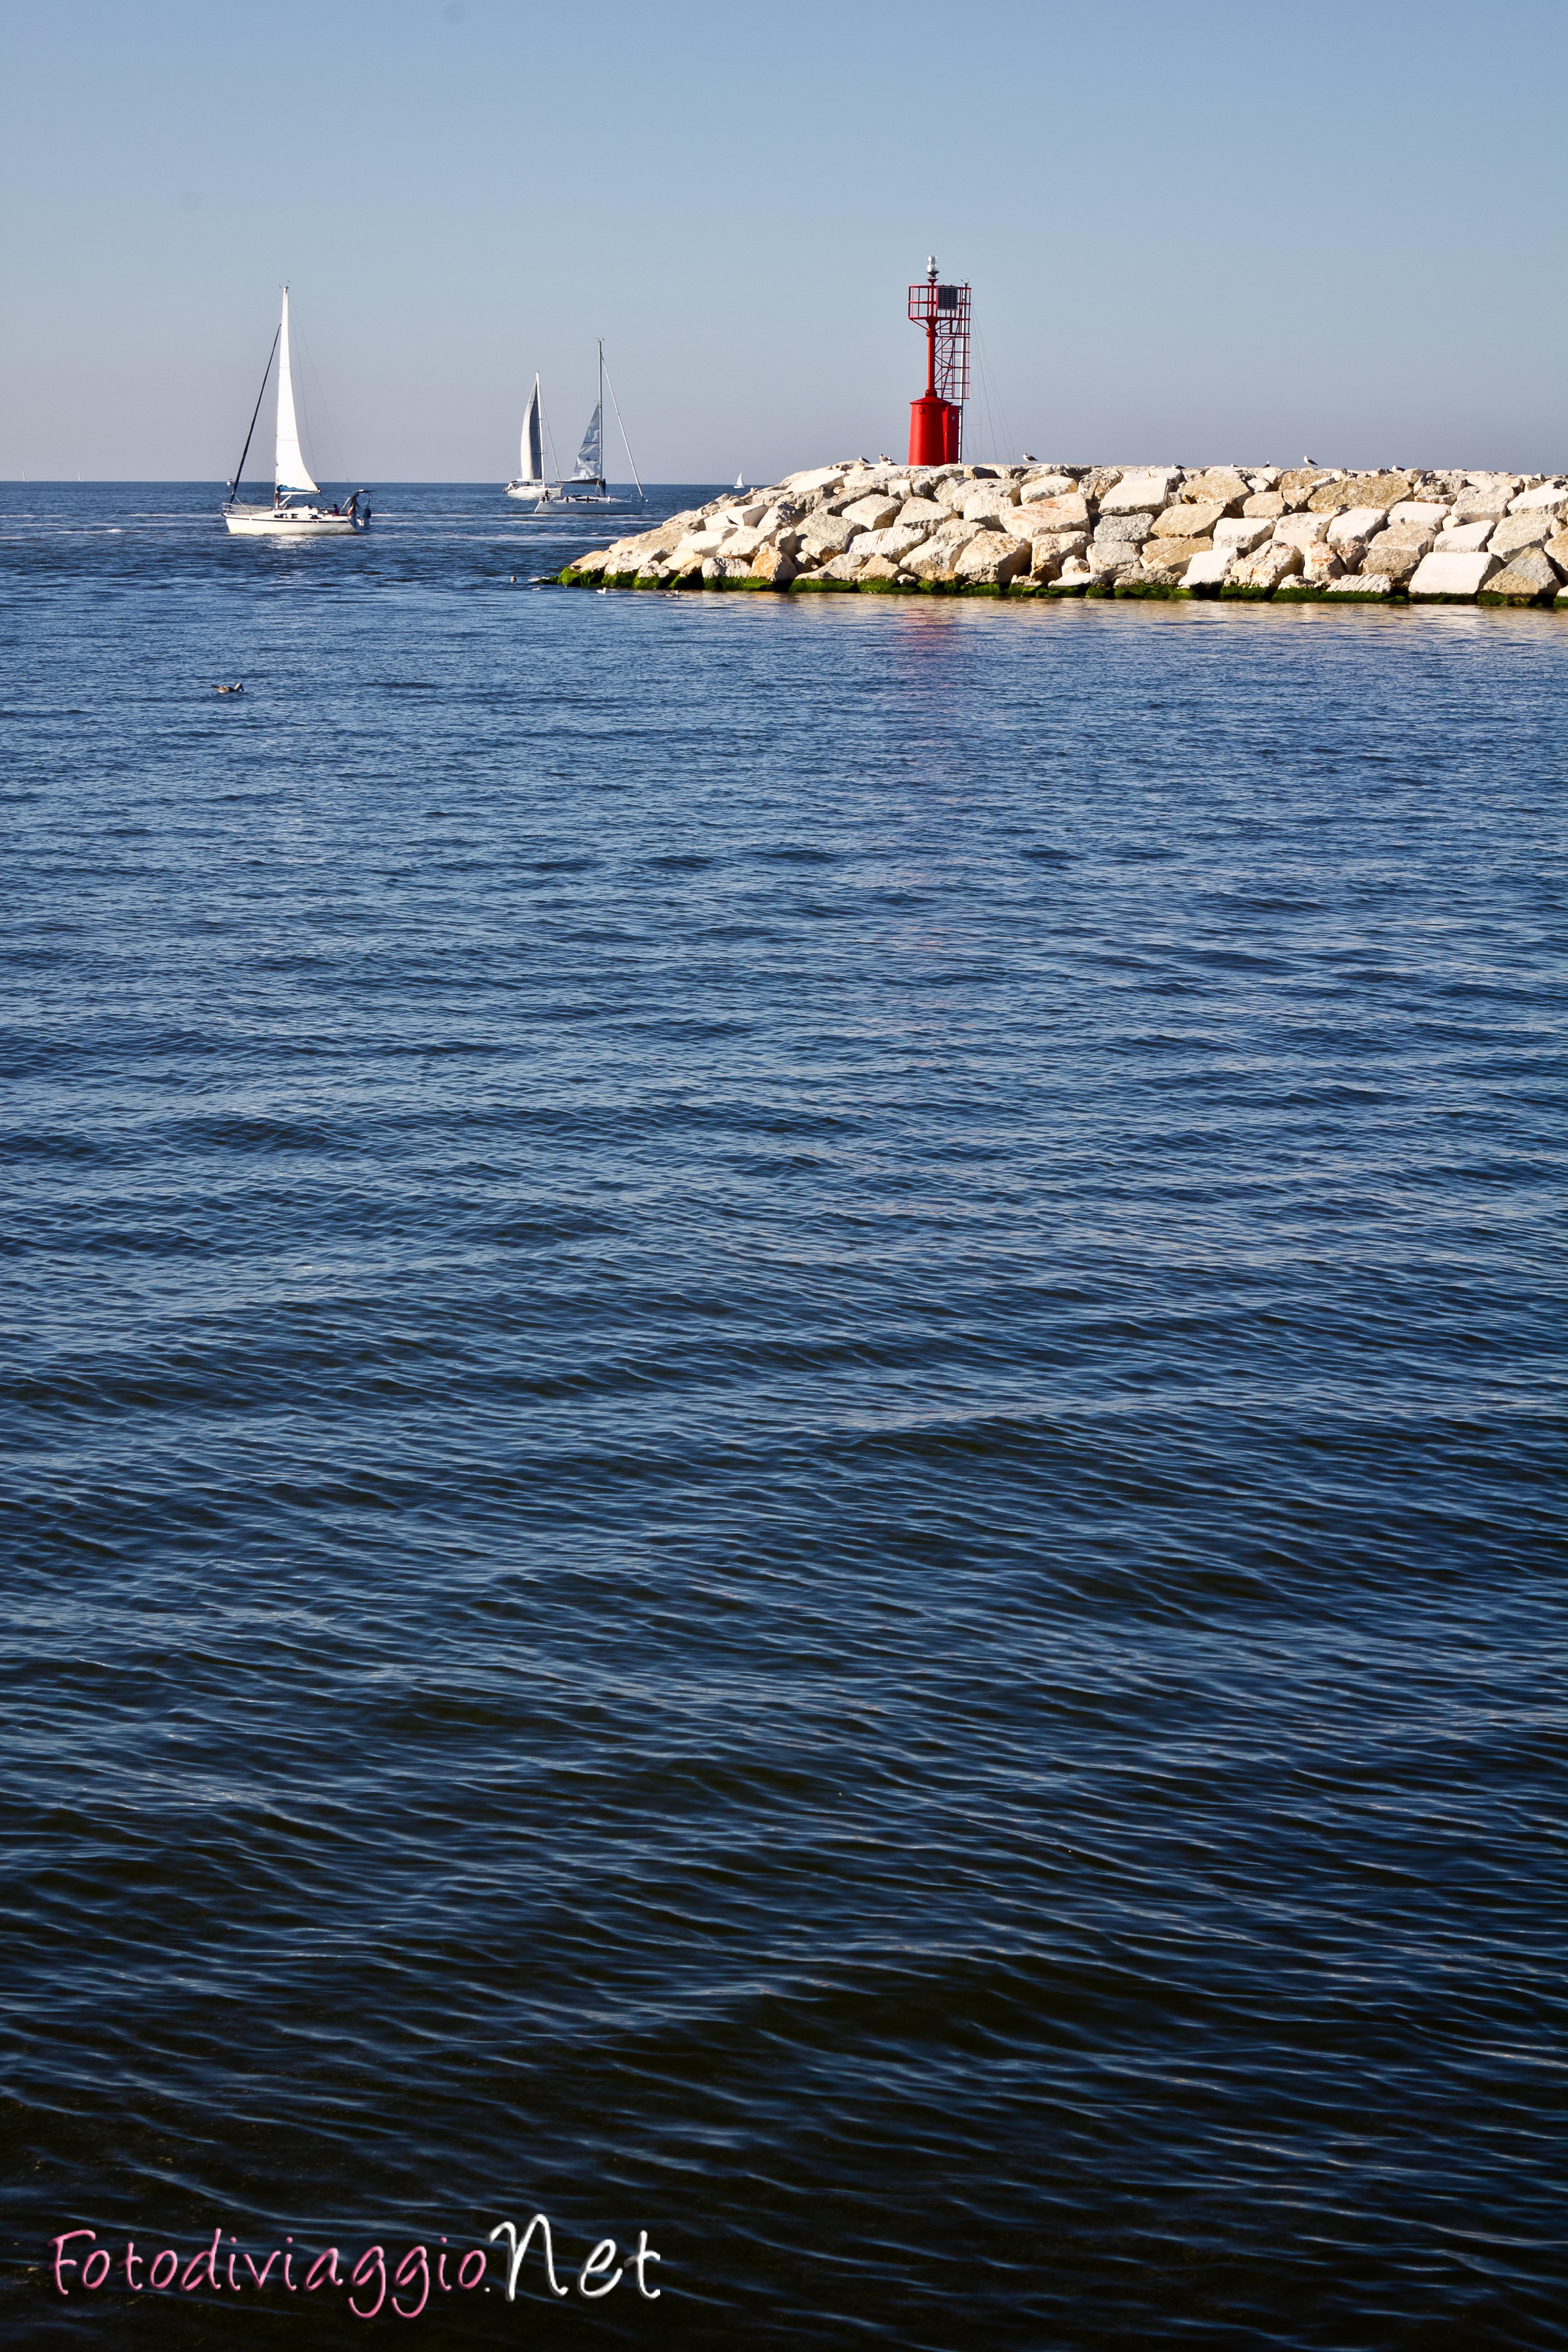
x: 1549, y: 499
x: 873, y: 513
x: 1466, y: 538
x: 1355, y: 523
x: 1474, y: 504
x: 895, y: 541
x: 940, y: 554
x: 1362, y: 587
x: 1046, y: 486
x: 1440, y: 578
x: 1131, y: 529
x: 1267, y: 568
x: 1189, y: 520
x: 992, y: 559
x: 1530, y: 579
x: 996, y: 500
x: 799, y: 485
x: 1432, y: 513
x: 1210, y: 571
x: 1534, y: 528
x: 1242, y: 533
x: 704, y: 542
x: 840, y: 567
x: 920, y: 509
x: 1069, y: 511
x: 827, y: 535
x: 1300, y: 530
x: 1142, y: 492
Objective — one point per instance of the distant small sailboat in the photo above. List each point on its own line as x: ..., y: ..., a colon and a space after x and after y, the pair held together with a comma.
x: 530, y: 482
x: 290, y: 475
x: 740, y: 481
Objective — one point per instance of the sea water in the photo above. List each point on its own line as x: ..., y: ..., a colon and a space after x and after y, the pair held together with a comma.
x: 780, y: 1414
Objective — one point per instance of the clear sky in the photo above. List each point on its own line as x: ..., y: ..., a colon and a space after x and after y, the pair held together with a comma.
x: 1254, y: 230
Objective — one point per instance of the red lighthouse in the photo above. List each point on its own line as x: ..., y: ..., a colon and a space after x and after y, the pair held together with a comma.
x: 936, y: 420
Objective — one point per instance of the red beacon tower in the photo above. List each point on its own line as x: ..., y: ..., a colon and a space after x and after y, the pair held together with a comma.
x: 936, y: 420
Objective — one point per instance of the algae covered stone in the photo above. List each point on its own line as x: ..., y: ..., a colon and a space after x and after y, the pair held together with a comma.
x: 1530, y: 579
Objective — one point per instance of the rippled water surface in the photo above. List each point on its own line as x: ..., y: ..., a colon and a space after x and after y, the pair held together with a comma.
x: 779, y: 1403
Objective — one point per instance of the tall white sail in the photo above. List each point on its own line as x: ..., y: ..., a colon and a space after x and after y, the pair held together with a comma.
x: 289, y: 470
x: 532, y: 442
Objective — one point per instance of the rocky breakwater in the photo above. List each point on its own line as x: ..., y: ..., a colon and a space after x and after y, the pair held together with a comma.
x: 1259, y: 531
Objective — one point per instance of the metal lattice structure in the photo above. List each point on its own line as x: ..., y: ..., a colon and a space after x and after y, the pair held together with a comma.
x: 943, y: 312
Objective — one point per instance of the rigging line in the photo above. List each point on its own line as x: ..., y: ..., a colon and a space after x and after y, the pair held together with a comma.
x: 1002, y: 413
x: 550, y: 437
x: 233, y: 486
x: 631, y: 461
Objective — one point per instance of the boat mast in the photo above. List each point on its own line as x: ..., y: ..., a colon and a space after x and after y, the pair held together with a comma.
x: 603, y: 483
x: 233, y: 486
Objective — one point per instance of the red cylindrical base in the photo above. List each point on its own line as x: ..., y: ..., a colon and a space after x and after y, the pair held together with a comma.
x: 951, y: 425
x: 930, y: 432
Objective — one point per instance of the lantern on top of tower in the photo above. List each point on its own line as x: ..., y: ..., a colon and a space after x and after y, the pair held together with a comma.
x: 936, y: 419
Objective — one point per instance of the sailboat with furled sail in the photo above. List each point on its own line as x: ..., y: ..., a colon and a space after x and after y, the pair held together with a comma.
x: 291, y: 482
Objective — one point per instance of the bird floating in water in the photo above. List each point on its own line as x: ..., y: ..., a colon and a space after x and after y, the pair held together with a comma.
x: 238, y: 687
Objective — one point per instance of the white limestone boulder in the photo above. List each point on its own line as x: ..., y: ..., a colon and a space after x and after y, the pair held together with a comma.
x: 1432, y: 513
x: 1208, y: 570
x: 1487, y: 504
x: 1144, y: 491
x: 1301, y: 531
x: 1068, y: 512
x: 1189, y: 520
x: 993, y: 500
x: 1530, y: 579
x: 873, y: 513
x: 1354, y: 522
x: 1445, y: 578
x: 1046, y: 486
x: 993, y: 559
x: 937, y: 557
x: 839, y: 567
x: 1128, y: 530
x: 1534, y: 528
x: 1242, y: 533
x: 898, y: 539
x: 1263, y: 572
x: 1464, y: 537
x: 1362, y: 587
x: 1551, y: 497
x: 826, y: 535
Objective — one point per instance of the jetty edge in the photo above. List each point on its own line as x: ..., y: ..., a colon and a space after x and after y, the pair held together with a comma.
x: 1288, y: 535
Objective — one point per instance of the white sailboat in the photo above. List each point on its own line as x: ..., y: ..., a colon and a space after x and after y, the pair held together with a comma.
x: 585, y: 485
x: 530, y: 482
x: 290, y: 475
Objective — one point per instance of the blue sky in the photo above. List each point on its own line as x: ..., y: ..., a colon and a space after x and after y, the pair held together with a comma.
x: 1194, y: 233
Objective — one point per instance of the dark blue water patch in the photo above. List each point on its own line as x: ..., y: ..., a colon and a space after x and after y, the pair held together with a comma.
x: 783, y: 1412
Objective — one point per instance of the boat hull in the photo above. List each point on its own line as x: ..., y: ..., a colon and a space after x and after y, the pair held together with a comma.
x: 263, y: 523
x: 534, y: 490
